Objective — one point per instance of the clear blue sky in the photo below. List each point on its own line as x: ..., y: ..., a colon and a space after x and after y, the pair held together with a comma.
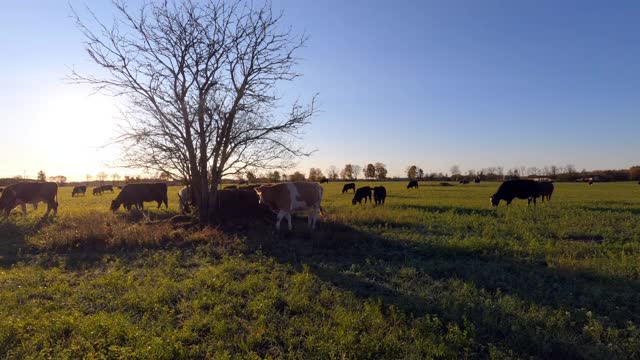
x: 473, y: 83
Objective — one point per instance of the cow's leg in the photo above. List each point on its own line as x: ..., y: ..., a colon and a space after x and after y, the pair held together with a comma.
x: 316, y: 210
x: 289, y: 220
x: 281, y: 214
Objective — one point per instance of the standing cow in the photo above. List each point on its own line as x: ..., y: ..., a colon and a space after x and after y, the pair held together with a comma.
x: 545, y: 189
x: 349, y: 186
x: 137, y: 194
x: 30, y: 193
x: 511, y: 189
x: 285, y: 198
x: 412, y: 184
x: 97, y: 191
x: 77, y: 190
x: 379, y: 195
x: 324, y: 180
x: 362, y: 193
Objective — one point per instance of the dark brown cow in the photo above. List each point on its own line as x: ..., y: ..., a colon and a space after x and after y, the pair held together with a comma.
x: 545, y: 189
x: 379, y: 195
x: 77, y: 190
x: 412, y: 184
x: 511, y: 189
x: 137, y: 194
x: 29, y: 193
x: 324, y: 180
x: 97, y: 191
x: 236, y: 204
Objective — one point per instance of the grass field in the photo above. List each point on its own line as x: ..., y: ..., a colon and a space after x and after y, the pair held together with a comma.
x: 435, y: 273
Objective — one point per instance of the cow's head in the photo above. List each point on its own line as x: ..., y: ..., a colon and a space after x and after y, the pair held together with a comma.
x: 261, y: 192
x: 7, y: 201
x: 115, y: 205
x: 495, y: 200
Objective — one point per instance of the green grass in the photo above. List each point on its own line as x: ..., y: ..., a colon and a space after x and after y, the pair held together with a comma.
x: 435, y: 273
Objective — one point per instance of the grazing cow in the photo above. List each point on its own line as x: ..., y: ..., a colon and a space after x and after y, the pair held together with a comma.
x: 545, y: 189
x: 379, y: 195
x: 477, y: 180
x: 184, y: 199
x: 349, y: 186
x: 521, y: 189
x: 412, y: 184
x: 283, y: 199
x: 77, y: 190
x: 97, y: 191
x: 464, y: 181
x: 324, y: 180
x: 239, y: 204
x: 230, y: 187
x: 105, y: 188
x: 362, y: 193
x: 137, y: 194
x: 30, y: 193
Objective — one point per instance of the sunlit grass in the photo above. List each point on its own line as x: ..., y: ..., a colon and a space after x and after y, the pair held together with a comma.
x: 435, y: 273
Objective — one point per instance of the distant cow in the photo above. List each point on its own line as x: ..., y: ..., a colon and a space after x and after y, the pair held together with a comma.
x: 511, y: 189
x: 137, y: 194
x: 77, y: 190
x: 285, y: 198
x: 324, y: 180
x: 230, y: 187
x: 97, y: 191
x: 379, y: 195
x: 184, y: 199
x: 349, y: 186
x: 362, y: 193
x: 545, y: 189
x: 412, y: 184
x: 29, y: 193
x: 477, y: 180
x: 464, y: 181
x: 590, y: 182
x: 105, y: 188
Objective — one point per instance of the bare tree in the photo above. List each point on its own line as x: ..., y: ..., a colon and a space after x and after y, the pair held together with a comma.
x: 332, y: 173
x: 347, y: 172
x: 101, y: 176
x: 412, y: 172
x: 356, y: 171
x: 115, y: 177
x: 42, y: 177
x: 199, y: 79
x: 315, y: 174
x: 455, y: 172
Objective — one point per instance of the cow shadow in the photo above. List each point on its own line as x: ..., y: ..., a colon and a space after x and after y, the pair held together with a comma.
x: 13, y: 244
x: 364, y: 264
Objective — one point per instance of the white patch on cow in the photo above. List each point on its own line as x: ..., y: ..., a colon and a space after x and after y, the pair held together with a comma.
x: 293, y: 198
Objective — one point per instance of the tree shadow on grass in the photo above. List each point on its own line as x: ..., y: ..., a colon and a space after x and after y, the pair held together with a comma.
x: 367, y: 265
x: 463, y: 211
x: 618, y: 210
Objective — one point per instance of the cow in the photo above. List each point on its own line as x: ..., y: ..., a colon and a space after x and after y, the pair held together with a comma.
x: 137, y: 194
x: 184, y: 199
x: 349, y: 186
x: 412, y: 184
x: 477, y: 180
x: 379, y: 195
x: 97, y: 191
x: 230, y: 187
x: 30, y: 193
x: 77, y: 190
x: 590, y: 182
x: 105, y: 188
x: 545, y: 189
x: 464, y: 181
x: 324, y: 180
x: 521, y: 189
x: 362, y: 193
x: 285, y: 198
x: 238, y: 204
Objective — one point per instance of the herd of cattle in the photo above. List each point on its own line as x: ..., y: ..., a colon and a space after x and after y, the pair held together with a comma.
x: 281, y: 199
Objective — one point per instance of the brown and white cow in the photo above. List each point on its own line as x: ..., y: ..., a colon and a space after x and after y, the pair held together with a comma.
x: 29, y: 193
x: 285, y: 198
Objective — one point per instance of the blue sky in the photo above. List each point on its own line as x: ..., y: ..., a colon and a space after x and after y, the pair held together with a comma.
x: 473, y: 83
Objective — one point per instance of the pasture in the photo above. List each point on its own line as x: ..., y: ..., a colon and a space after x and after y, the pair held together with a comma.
x: 434, y: 273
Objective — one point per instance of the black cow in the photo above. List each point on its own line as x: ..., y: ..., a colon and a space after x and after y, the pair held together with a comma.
x: 97, y: 191
x: 77, y: 190
x: 545, y: 189
x: 412, y: 184
x: 137, y: 194
x: 362, y: 193
x: 464, y: 181
x: 379, y: 195
x: 511, y: 189
x: 349, y: 186
x: 324, y: 180
x: 29, y: 193
x: 477, y: 180
x: 105, y: 188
